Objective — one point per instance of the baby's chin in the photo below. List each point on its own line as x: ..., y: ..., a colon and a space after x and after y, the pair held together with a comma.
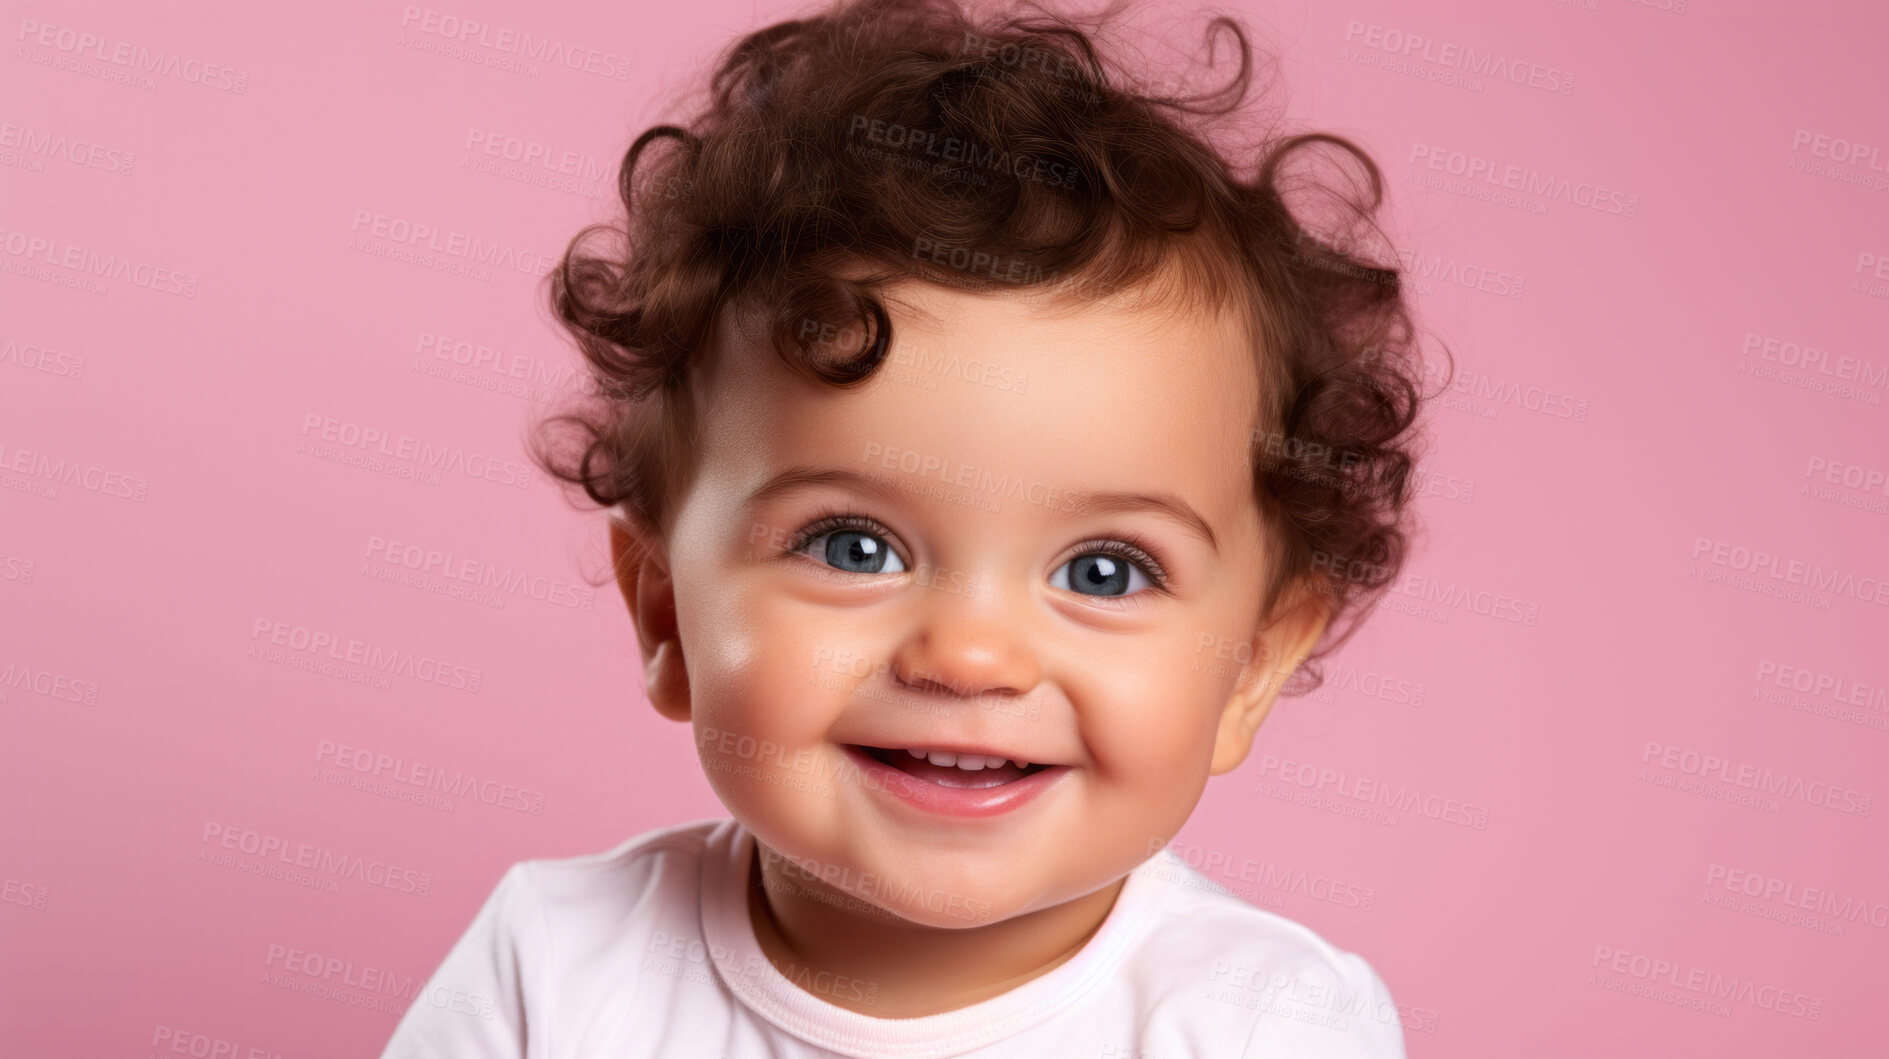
x: 966, y: 907
x: 872, y: 866
x: 935, y: 890
x: 986, y: 905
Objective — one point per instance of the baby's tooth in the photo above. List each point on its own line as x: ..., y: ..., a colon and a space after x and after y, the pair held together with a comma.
x: 967, y: 762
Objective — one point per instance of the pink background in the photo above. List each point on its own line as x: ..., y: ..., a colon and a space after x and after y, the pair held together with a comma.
x: 139, y: 711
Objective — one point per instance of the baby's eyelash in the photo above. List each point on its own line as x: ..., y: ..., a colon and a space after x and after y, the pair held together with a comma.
x: 1133, y: 548
x: 1128, y: 546
x: 832, y: 520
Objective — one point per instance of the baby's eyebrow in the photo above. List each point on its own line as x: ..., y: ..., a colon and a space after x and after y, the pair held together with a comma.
x: 1167, y: 504
x: 1082, y: 501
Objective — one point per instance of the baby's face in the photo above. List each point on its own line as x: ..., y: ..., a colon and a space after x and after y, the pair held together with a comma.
x: 970, y: 599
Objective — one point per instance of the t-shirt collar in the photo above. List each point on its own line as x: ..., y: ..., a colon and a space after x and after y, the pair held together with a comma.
x: 745, y: 969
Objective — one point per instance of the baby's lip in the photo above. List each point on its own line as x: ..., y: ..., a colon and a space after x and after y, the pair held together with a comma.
x: 952, y: 746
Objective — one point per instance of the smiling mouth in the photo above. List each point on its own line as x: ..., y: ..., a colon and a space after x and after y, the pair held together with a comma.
x: 955, y: 775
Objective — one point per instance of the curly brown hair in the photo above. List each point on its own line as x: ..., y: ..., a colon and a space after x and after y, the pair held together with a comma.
x: 872, y: 141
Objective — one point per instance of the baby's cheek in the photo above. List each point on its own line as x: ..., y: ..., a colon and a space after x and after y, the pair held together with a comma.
x: 1152, y: 710
x: 727, y: 647
x: 756, y: 698
x: 758, y: 732
x: 767, y: 681
x: 1139, y: 769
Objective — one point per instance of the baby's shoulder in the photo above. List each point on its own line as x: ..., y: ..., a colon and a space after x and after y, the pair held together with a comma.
x: 1228, y: 950
x: 678, y: 846
x: 654, y: 876
x: 1211, y: 917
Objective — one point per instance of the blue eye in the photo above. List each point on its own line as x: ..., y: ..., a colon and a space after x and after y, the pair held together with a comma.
x: 850, y: 547
x: 1106, y: 570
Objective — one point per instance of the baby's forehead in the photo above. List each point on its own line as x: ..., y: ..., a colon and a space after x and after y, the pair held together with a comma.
x: 1131, y: 381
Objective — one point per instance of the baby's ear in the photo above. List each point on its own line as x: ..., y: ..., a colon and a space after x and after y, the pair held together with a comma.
x: 642, y: 571
x: 1277, y: 651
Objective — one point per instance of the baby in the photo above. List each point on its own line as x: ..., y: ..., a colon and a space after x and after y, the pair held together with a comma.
x: 985, y: 454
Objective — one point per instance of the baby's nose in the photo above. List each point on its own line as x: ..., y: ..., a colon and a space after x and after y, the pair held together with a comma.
x: 969, y: 647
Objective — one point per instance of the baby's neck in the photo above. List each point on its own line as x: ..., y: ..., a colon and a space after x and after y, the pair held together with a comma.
x: 906, y: 970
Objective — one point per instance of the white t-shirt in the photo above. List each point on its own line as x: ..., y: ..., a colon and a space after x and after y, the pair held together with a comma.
x: 647, y: 950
